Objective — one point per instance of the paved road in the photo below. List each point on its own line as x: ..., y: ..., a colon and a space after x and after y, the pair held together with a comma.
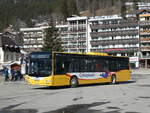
x: 128, y: 97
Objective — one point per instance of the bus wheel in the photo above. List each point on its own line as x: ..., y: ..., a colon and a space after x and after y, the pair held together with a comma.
x: 74, y: 82
x: 113, y: 79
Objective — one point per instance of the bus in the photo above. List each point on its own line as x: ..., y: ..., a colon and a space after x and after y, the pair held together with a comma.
x: 73, y: 69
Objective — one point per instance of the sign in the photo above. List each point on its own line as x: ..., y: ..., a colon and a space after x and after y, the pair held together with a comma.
x: 134, y: 59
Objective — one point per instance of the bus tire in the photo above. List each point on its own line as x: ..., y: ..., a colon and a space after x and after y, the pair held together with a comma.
x: 113, y: 79
x: 74, y: 82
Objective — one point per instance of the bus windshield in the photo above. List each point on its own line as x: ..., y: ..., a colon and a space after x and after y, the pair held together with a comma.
x: 39, y: 66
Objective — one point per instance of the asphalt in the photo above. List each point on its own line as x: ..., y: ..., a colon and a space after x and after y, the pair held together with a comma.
x: 140, y: 71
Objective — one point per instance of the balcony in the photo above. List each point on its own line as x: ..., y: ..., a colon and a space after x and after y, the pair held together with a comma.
x: 145, y: 40
x: 145, y: 48
x: 114, y: 33
x: 116, y: 50
x: 64, y: 40
x: 101, y: 26
x: 63, y: 32
x: 33, y: 35
x: 77, y: 31
x: 144, y: 23
x: 113, y: 42
x: 144, y: 32
x: 33, y: 42
x: 72, y: 46
x: 82, y: 46
x: 82, y: 39
x: 72, y: 39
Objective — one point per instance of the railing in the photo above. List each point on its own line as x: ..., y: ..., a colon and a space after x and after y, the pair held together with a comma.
x: 145, y: 39
x: 145, y: 48
x: 125, y: 49
x: 118, y: 41
x: 129, y: 24
x: 33, y: 42
x: 114, y: 33
x: 144, y: 32
x: 144, y: 23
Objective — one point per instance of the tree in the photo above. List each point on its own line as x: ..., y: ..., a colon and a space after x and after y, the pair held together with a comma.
x: 72, y: 7
x: 123, y: 9
x: 135, y: 5
x: 52, y: 42
x: 64, y: 8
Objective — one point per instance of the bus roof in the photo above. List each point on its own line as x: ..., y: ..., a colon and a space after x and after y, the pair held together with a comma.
x: 88, y: 53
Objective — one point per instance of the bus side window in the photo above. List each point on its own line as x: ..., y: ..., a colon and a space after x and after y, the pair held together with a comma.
x: 58, y: 68
x: 122, y: 64
x: 70, y: 68
x: 72, y: 65
x: 82, y: 65
x: 106, y: 65
x: 97, y: 67
x: 112, y: 65
x: 66, y: 66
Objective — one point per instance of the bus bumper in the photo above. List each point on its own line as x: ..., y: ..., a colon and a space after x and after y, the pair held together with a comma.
x: 42, y: 81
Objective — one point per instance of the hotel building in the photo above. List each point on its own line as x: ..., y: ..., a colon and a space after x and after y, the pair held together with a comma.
x: 33, y: 38
x: 115, y: 36
x: 144, y: 23
x: 74, y: 34
x: 111, y: 34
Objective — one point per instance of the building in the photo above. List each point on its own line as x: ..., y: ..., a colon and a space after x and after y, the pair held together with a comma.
x: 33, y: 38
x: 144, y: 23
x: 74, y: 34
x: 111, y: 34
x: 10, y: 51
x: 115, y: 35
x: 140, y: 5
x: 17, y: 37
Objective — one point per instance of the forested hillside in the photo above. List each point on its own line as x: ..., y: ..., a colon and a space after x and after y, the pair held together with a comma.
x: 21, y: 13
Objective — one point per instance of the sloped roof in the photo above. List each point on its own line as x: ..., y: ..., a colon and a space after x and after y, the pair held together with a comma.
x: 142, y: 11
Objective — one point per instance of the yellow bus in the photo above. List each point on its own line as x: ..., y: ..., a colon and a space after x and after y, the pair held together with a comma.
x: 61, y: 69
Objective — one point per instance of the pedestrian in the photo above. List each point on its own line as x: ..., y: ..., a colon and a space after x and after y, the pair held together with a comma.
x: 6, y: 74
x: 20, y: 77
x: 16, y: 75
x: 12, y: 74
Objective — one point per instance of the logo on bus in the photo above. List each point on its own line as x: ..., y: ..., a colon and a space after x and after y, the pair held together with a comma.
x: 105, y: 74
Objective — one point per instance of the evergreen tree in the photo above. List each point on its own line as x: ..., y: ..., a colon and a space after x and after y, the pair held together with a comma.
x: 64, y: 8
x: 72, y: 7
x: 123, y: 9
x: 135, y: 5
x: 52, y: 42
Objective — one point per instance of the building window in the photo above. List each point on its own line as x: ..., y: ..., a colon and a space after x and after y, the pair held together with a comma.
x: 12, y: 57
x: 7, y: 57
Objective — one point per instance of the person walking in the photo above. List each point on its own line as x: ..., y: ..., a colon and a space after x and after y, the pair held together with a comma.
x: 6, y: 74
x: 12, y: 74
x: 16, y: 75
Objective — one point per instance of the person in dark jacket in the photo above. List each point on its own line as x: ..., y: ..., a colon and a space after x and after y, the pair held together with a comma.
x: 6, y: 74
x: 12, y: 74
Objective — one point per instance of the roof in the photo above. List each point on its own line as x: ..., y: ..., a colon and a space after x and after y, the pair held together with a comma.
x: 144, y: 15
x: 142, y: 11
